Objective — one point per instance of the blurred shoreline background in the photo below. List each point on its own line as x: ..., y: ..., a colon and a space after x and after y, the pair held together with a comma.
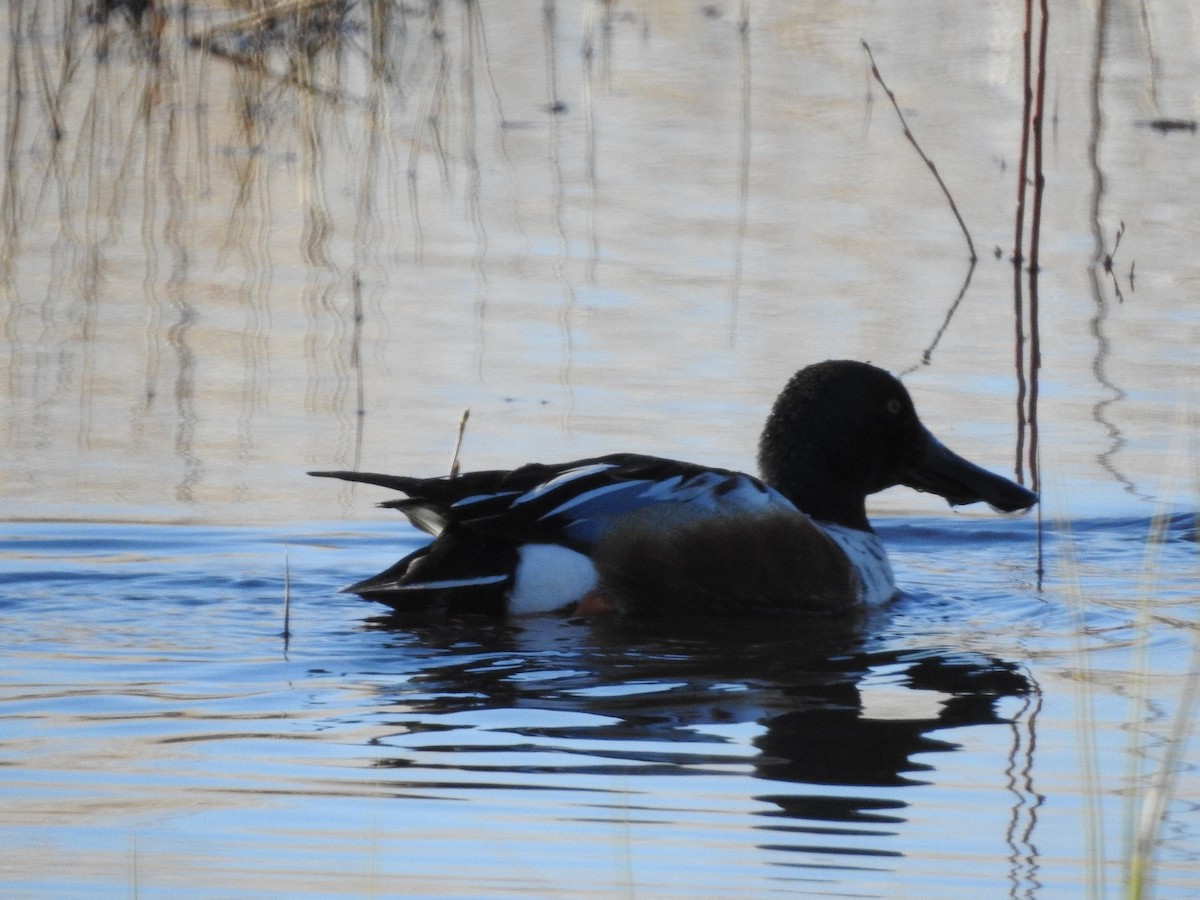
x: 239, y: 243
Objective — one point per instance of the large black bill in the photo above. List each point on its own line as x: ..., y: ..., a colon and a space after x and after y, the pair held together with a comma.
x: 940, y: 470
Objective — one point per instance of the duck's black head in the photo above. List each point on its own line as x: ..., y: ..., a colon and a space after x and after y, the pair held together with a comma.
x: 842, y: 430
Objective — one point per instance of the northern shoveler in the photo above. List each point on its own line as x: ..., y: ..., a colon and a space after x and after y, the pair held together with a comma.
x: 641, y: 534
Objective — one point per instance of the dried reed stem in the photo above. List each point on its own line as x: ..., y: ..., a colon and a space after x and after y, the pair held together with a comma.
x: 270, y: 14
x: 462, y: 428
x: 287, y: 598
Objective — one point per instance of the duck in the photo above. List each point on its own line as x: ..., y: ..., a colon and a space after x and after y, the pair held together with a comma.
x: 642, y: 535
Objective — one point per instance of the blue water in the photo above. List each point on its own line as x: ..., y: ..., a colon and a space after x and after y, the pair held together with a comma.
x: 159, y: 736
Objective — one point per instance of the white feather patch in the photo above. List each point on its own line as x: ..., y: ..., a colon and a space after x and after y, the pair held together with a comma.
x: 549, y: 577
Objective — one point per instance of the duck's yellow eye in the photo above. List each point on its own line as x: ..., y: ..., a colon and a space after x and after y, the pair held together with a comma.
x: 894, y: 406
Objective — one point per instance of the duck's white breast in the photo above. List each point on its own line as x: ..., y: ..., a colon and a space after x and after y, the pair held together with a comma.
x: 877, y: 584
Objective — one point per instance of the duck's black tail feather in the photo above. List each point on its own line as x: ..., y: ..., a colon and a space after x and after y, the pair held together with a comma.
x: 403, y: 483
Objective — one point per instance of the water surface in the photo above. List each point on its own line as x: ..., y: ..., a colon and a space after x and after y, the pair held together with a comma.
x: 161, y: 736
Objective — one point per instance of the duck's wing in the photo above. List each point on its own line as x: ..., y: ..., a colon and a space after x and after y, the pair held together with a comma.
x: 572, y: 503
x: 581, y: 503
x: 487, y: 525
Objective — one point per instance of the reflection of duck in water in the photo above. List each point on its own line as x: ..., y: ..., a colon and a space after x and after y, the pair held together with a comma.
x: 648, y: 535
x: 834, y: 738
x: 816, y: 707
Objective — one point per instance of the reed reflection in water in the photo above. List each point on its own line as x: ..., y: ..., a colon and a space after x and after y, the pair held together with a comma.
x: 239, y: 244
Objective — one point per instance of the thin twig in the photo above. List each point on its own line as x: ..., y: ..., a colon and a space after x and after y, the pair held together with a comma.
x: 462, y: 428
x: 927, y: 353
x: 1108, y: 265
x: 1035, y: 232
x: 932, y: 168
x: 1023, y: 157
x: 257, y: 65
x: 287, y: 599
x: 1018, y: 253
x: 1039, y: 116
x: 743, y: 192
x: 208, y: 40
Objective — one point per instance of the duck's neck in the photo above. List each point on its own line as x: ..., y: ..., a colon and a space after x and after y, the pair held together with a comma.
x: 803, y: 475
x: 821, y: 499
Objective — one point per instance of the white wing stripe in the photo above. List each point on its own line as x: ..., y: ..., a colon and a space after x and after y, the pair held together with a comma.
x: 560, y: 480
x: 452, y: 583
x: 480, y: 498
